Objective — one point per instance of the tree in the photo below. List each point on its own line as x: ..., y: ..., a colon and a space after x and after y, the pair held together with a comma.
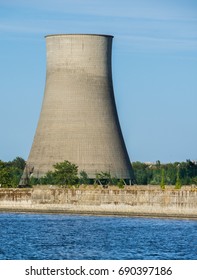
x: 5, y: 179
x: 105, y: 178
x: 141, y: 172
x: 65, y: 173
x: 9, y: 174
x: 19, y: 163
x: 162, y: 184
x: 178, y: 181
x: 84, y: 179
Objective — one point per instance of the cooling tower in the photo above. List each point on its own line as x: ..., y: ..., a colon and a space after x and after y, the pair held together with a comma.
x: 78, y: 120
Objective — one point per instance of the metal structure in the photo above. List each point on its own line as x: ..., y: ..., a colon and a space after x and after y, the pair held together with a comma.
x: 78, y: 120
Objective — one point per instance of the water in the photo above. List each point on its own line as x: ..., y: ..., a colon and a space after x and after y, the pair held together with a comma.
x: 56, y: 237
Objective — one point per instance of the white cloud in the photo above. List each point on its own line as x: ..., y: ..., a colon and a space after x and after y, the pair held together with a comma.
x: 152, y: 9
x: 140, y: 25
x: 148, y: 43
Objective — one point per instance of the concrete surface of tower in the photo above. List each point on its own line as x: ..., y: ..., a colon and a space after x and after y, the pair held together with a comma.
x: 78, y: 120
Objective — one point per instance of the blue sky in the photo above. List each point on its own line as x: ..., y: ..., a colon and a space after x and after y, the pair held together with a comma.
x: 154, y: 70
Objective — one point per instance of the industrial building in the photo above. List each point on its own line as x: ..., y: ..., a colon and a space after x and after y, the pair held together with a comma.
x: 78, y: 120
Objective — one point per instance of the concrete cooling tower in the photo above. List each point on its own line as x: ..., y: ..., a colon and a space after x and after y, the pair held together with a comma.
x: 78, y: 120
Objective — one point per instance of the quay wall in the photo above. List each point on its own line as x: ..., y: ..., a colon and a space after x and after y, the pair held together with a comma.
x: 130, y: 201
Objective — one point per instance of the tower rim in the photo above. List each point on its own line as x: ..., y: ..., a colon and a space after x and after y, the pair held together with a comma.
x: 78, y: 34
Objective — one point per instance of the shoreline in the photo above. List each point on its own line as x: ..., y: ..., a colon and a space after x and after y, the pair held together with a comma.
x: 99, y: 213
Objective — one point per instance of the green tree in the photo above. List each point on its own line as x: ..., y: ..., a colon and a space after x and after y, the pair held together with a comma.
x: 141, y: 172
x: 18, y: 162
x: 9, y: 174
x: 121, y: 183
x: 105, y: 178
x: 5, y: 179
x: 170, y: 173
x: 178, y: 180
x: 65, y: 173
x: 83, y: 178
x: 102, y: 177
x: 162, y: 184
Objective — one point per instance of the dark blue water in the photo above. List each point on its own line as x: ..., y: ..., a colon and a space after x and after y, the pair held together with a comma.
x: 56, y: 237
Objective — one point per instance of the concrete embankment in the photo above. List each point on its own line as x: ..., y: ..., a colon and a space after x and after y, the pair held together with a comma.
x: 130, y: 201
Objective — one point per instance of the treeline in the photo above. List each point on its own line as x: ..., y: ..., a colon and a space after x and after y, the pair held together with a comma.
x: 66, y: 173
x: 156, y: 174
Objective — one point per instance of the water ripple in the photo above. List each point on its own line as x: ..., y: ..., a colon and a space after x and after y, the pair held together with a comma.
x: 55, y: 237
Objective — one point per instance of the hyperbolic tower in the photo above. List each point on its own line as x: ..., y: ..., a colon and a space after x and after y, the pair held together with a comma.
x: 78, y: 120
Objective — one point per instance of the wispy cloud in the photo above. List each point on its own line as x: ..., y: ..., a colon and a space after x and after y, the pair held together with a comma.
x: 140, y: 25
x: 142, y: 43
x: 152, y: 9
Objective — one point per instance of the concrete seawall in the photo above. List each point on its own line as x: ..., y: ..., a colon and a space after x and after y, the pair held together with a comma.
x: 130, y: 201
